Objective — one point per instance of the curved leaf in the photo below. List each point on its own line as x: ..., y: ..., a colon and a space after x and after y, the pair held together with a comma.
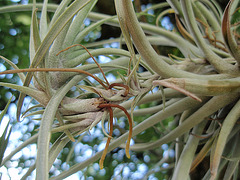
x: 3, y: 138
x: 228, y: 35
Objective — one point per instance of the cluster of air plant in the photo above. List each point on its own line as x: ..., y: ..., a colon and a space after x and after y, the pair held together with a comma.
x: 208, y: 74
x: 55, y: 69
x: 217, y: 88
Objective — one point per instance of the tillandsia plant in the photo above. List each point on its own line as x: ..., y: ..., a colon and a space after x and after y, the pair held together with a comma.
x: 195, y: 111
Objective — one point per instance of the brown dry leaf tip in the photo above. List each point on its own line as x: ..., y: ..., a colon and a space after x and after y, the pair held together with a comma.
x: 129, y: 121
x: 109, y: 138
x: 170, y: 84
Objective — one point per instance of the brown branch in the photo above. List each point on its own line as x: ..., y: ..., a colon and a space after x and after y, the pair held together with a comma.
x: 129, y: 121
x: 54, y: 70
x: 90, y: 56
x: 121, y: 85
x: 109, y: 138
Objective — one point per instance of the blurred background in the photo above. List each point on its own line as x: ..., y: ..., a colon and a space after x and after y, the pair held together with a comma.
x: 14, y: 45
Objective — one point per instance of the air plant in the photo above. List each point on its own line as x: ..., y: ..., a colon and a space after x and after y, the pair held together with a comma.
x: 85, y: 112
x: 200, y: 94
x: 222, y: 86
x: 50, y: 73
